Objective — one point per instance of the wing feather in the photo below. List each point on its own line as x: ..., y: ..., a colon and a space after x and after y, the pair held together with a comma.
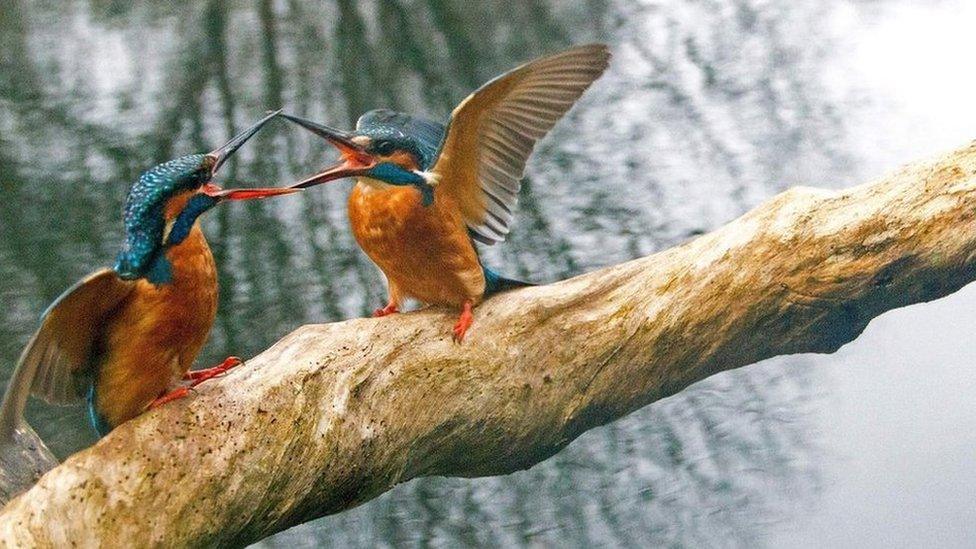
x: 493, y: 131
x: 62, y: 346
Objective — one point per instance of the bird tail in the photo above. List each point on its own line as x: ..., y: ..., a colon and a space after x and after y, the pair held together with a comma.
x: 23, y: 455
x: 496, y: 283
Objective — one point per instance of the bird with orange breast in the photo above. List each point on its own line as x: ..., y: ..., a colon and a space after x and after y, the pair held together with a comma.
x: 424, y: 192
x: 123, y: 338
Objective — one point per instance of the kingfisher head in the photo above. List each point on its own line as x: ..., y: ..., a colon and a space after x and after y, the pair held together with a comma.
x: 165, y: 202
x: 387, y: 147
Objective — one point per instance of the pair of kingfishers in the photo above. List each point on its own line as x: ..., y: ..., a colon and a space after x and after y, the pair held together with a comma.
x: 125, y: 338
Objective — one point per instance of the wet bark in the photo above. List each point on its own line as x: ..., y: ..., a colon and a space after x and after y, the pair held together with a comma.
x: 333, y: 415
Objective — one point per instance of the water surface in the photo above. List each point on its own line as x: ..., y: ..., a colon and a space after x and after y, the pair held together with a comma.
x: 710, y: 107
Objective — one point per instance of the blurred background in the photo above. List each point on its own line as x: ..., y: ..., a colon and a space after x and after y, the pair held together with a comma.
x: 709, y: 107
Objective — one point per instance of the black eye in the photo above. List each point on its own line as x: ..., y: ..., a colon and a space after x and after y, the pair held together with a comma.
x: 199, y: 176
x: 384, y: 147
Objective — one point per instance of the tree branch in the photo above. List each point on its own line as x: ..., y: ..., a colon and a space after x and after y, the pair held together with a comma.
x: 333, y: 415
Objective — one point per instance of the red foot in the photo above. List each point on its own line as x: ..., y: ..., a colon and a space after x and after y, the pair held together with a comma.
x: 199, y: 376
x: 175, y: 394
x: 196, y: 378
x: 464, y: 322
x: 390, y: 309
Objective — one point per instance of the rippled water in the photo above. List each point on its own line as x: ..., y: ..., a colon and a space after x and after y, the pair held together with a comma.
x: 710, y: 107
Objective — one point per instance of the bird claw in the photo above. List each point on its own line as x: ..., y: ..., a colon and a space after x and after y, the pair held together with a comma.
x: 388, y: 310
x: 463, y: 323
x: 197, y: 377
x: 175, y: 394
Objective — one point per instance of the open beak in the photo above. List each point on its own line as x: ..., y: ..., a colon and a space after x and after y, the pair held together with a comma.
x: 215, y: 191
x: 355, y: 160
x: 227, y: 150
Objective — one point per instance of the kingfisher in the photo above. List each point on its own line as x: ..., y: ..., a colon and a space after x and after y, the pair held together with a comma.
x: 424, y: 193
x: 124, y: 337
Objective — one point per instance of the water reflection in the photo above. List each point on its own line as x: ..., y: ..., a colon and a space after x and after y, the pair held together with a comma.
x: 709, y: 107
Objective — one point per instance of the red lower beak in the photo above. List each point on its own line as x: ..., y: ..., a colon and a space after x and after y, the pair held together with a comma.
x: 349, y: 167
x: 246, y: 194
x: 355, y: 160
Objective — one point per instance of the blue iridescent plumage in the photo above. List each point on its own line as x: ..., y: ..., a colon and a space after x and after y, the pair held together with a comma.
x: 123, y: 345
x: 143, y: 215
x: 95, y: 419
x: 194, y: 207
x: 419, y: 136
x: 422, y: 138
x: 399, y: 131
x: 469, y: 173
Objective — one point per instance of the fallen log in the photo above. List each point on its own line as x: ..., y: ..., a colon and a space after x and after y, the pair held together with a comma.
x: 333, y: 415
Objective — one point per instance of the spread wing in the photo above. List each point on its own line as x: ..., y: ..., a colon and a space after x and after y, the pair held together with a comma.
x: 492, y: 133
x: 62, y: 346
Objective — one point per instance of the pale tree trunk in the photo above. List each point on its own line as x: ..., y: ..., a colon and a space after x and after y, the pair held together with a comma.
x: 334, y: 415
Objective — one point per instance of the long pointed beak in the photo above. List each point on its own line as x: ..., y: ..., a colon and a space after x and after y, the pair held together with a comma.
x: 213, y: 190
x: 342, y: 140
x: 340, y: 170
x: 228, y: 149
x: 355, y: 160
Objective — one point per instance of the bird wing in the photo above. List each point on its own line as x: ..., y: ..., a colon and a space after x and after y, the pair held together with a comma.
x: 62, y: 346
x: 492, y: 132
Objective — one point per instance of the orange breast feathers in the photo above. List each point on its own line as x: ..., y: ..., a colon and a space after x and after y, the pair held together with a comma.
x: 157, y: 333
x: 424, y: 251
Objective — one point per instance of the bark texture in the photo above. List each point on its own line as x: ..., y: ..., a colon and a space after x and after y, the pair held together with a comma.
x: 334, y: 415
